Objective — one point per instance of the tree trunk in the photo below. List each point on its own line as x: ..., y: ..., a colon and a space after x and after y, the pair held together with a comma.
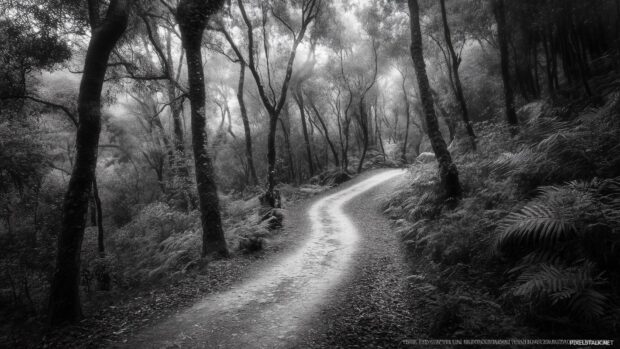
x: 246, y: 126
x: 182, y: 184
x: 546, y: 40
x: 408, y: 120
x: 326, y: 133
x: 192, y: 16
x: 447, y: 170
x: 299, y: 99
x: 103, y: 275
x: 502, y: 36
x: 456, y: 62
x: 447, y: 118
x: 378, y: 133
x: 270, y: 195
x: 289, y: 152
x: 363, y: 123
x: 64, y: 305
x: 159, y: 168
x: 100, y: 231
x: 347, y: 135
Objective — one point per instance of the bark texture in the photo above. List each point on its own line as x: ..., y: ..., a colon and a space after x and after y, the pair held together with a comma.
x: 64, y: 305
x: 192, y: 16
x: 447, y: 170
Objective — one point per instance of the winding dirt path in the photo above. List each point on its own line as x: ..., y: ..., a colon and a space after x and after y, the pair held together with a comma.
x: 272, y: 309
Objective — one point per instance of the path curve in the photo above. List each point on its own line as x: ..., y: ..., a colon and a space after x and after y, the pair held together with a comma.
x: 267, y: 311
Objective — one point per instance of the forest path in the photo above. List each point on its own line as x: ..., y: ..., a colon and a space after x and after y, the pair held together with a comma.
x: 277, y: 307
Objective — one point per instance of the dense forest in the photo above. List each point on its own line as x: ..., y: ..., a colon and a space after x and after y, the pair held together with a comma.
x: 152, y: 152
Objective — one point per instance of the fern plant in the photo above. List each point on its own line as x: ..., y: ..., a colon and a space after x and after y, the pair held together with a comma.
x: 553, y: 151
x: 568, y: 242
x: 575, y: 287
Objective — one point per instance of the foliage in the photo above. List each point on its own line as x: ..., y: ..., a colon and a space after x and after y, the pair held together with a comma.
x: 553, y: 151
x: 569, y: 235
x: 158, y: 239
x: 536, y: 231
x: 542, y: 203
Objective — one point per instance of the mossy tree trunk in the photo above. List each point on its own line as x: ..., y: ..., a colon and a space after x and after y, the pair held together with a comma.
x: 192, y: 16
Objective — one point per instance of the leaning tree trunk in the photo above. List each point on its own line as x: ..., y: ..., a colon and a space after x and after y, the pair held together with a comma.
x: 447, y: 170
x: 299, y: 99
x: 502, y: 36
x: 192, y: 16
x: 246, y: 126
x: 408, y: 119
x: 326, y: 133
x: 64, y: 305
x: 456, y: 62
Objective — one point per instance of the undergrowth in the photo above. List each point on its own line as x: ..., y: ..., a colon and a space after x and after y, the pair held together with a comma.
x: 533, y: 246
x: 161, y: 243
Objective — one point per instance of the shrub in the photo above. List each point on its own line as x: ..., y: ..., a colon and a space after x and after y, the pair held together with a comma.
x: 157, y: 240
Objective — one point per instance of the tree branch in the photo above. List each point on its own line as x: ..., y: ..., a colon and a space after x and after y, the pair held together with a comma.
x: 65, y: 109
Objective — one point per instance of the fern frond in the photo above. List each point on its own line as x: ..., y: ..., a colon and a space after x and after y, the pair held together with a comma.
x: 536, y: 224
x: 540, y: 256
x: 589, y: 304
x: 557, y: 141
x: 508, y: 162
x: 560, y: 296
x: 577, y: 285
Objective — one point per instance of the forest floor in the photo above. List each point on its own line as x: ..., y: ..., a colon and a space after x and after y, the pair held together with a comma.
x: 343, y: 286
x: 334, y: 276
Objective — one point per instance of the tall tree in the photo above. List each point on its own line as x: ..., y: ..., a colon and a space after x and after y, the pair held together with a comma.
x: 363, y: 120
x: 246, y: 125
x: 298, y: 96
x: 456, y: 62
x: 447, y: 170
x: 325, y: 132
x: 502, y: 37
x: 192, y: 16
x: 403, y: 74
x: 272, y: 101
x: 160, y: 72
x: 64, y: 294
x: 344, y: 121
